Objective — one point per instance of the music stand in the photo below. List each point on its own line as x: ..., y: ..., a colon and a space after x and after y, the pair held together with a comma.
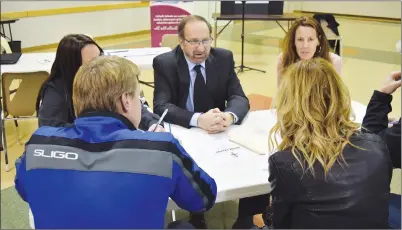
x: 242, y: 67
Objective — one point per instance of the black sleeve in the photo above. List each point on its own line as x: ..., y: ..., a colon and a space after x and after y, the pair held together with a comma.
x: 163, y: 98
x: 392, y: 137
x: 281, y: 197
x: 237, y: 102
x: 376, y: 121
x: 1, y: 132
x: 53, y: 110
x: 147, y: 118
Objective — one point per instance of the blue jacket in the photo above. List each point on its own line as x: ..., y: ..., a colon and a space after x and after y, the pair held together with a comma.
x: 102, y: 173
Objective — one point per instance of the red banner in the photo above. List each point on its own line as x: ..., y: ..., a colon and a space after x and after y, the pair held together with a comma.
x: 165, y: 18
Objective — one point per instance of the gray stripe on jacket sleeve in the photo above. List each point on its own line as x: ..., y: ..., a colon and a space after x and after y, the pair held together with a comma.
x: 192, y: 181
x: 143, y: 161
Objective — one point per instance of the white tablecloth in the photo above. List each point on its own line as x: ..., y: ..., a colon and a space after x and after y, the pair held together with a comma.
x: 29, y: 62
x: 238, y: 176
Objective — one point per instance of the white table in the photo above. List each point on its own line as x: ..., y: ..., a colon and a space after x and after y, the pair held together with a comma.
x: 29, y: 62
x: 236, y: 177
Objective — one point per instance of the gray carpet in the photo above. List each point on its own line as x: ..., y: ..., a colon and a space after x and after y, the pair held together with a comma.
x: 14, y: 213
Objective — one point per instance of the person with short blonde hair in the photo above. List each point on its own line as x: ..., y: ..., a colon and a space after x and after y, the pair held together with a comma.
x: 100, y: 84
x: 324, y: 172
x: 101, y: 171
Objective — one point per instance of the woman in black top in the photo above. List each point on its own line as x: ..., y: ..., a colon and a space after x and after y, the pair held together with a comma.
x: 54, y: 102
x: 325, y: 173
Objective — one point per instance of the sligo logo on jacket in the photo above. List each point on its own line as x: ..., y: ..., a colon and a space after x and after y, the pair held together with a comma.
x: 55, y: 154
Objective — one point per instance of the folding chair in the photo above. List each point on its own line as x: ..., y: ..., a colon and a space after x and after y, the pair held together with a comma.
x: 4, y: 46
x: 170, y: 40
x: 332, y: 36
x: 22, y: 104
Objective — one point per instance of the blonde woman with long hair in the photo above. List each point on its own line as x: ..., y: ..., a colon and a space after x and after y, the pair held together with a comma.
x: 325, y: 173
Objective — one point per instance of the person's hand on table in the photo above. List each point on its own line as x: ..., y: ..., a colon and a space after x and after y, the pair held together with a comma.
x: 227, y: 119
x: 211, y: 121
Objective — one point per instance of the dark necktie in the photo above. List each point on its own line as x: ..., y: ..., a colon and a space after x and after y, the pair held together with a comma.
x: 201, y: 94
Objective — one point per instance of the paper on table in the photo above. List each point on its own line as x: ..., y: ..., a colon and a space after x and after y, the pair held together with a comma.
x: 253, y: 133
x: 134, y: 53
x: 212, y: 144
x: 44, y: 61
x: 252, y: 139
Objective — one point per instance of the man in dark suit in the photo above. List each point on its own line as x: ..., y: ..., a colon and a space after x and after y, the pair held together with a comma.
x: 197, y: 83
x: 198, y: 86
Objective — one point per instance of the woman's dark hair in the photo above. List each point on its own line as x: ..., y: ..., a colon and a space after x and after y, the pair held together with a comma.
x: 65, y: 66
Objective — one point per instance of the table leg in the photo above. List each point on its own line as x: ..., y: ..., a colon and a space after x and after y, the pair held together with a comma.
x: 149, y: 84
x: 2, y: 31
x: 9, y: 28
x: 281, y: 26
x: 216, y: 34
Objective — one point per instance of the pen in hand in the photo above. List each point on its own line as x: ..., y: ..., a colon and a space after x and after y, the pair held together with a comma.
x: 160, y: 119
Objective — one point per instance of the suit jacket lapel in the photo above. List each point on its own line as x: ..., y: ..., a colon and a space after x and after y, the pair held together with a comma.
x: 184, y: 77
x: 210, y: 72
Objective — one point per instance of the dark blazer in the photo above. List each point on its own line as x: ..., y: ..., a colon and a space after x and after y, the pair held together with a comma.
x: 376, y: 121
x: 56, y: 111
x: 172, y: 81
x: 1, y: 131
x: 355, y: 195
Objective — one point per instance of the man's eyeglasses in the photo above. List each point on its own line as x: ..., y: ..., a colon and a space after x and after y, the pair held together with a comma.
x: 205, y: 42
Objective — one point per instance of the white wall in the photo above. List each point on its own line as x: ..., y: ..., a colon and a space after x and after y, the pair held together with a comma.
x: 290, y: 6
x: 17, y: 6
x: 391, y: 9
x: 385, y: 9
x: 35, y: 31
x: 50, y: 29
